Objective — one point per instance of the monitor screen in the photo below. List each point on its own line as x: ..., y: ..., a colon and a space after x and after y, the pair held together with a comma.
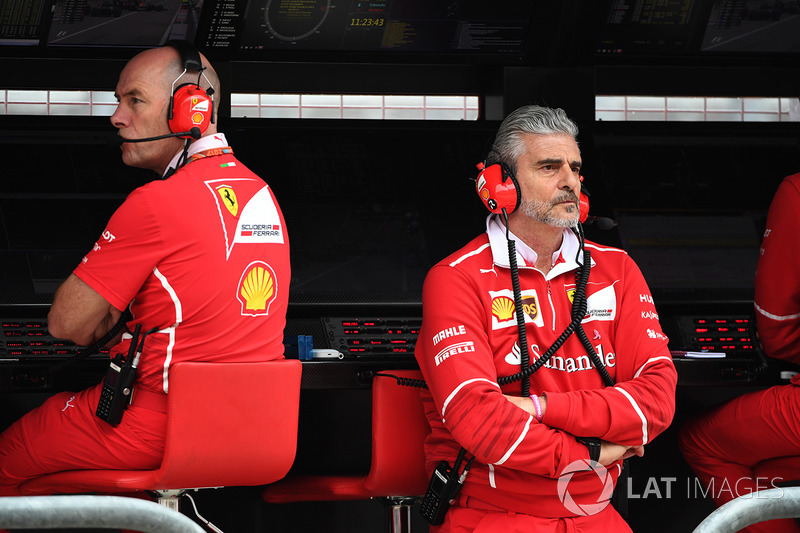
x: 752, y: 26
x: 651, y: 27
x: 123, y: 23
x: 22, y: 21
x: 268, y: 26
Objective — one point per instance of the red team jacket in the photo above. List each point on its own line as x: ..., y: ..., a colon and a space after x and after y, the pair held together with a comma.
x: 204, y: 257
x: 777, y: 286
x: 469, y: 339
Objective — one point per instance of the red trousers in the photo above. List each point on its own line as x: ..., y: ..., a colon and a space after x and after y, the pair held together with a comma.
x: 747, y: 444
x: 64, y: 434
x: 476, y: 520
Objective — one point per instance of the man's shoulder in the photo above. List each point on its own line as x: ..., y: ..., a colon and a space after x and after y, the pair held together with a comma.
x: 598, y: 249
x: 608, y: 260
x: 794, y: 180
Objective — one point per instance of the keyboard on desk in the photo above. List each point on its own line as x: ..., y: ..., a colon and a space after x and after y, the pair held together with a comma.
x: 28, y: 340
x: 713, y: 348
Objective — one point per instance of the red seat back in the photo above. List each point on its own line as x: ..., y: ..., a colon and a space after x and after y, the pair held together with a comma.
x: 399, y: 429
x: 228, y: 424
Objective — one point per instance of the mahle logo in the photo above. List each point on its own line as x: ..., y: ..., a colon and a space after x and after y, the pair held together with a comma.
x: 603, y: 499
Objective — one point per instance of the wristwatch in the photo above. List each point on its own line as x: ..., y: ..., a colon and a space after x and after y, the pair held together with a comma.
x: 593, y: 443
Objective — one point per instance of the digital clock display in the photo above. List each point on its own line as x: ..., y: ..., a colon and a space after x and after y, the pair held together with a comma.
x: 367, y: 22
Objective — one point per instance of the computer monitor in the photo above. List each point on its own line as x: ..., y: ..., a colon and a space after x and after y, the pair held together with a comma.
x: 269, y: 29
x: 122, y: 23
x: 752, y: 26
x: 22, y: 22
x: 648, y: 27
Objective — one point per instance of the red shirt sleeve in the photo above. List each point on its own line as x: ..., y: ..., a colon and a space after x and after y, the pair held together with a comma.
x: 641, y: 404
x: 777, y: 283
x: 125, y: 254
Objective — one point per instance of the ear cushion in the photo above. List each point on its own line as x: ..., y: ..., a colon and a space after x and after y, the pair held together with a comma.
x: 191, y: 108
x: 583, y: 207
x: 583, y: 203
x: 497, y: 188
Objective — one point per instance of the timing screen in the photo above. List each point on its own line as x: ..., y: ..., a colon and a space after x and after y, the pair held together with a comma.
x: 373, y: 25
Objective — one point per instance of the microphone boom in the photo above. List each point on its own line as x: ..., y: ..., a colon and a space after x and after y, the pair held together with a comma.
x: 193, y: 133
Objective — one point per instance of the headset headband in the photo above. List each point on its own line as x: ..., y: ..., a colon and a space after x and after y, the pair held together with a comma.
x: 190, y: 57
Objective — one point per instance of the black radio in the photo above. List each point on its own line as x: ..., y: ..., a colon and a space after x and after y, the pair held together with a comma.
x: 118, y: 385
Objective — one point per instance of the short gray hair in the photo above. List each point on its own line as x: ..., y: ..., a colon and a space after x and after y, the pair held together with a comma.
x: 530, y: 119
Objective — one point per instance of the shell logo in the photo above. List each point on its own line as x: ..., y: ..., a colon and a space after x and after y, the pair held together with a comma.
x: 197, y: 118
x: 257, y: 289
x: 503, y: 308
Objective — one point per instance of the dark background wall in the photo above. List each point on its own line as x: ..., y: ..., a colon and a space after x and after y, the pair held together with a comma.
x: 371, y: 205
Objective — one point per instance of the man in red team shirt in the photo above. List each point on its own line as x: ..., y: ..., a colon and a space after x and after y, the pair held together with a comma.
x: 730, y: 448
x: 544, y: 462
x: 201, y: 258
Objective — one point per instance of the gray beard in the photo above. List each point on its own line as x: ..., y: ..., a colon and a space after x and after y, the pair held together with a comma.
x: 543, y: 212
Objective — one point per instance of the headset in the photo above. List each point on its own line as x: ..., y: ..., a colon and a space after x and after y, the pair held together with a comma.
x: 500, y: 193
x: 498, y: 189
x: 191, y: 108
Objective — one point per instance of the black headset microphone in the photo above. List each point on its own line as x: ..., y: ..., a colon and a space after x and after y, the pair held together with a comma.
x: 194, y: 133
x: 603, y: 223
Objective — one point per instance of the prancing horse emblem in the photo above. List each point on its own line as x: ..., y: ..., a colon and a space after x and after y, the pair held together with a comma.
x: 228, y: 197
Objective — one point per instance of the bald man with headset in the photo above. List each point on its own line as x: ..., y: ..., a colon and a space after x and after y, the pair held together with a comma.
x: 191, y: 267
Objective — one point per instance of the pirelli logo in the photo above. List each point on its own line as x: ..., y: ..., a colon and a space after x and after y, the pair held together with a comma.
x: 454, y: 349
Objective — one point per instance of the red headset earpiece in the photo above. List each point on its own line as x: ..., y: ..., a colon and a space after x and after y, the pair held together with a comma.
x: 583, y: 204
x: 191, y: 107
x: 497, y: 188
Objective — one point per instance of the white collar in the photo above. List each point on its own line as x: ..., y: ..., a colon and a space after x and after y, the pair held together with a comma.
x: 499, y: 245
x: 216, y: 140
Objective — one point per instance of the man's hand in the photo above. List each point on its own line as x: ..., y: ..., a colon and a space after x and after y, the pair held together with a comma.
x: 526, y: 404
x: 610, y: 452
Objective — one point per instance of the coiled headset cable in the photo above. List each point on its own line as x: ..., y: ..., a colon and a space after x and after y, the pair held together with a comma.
x: 437, y: 500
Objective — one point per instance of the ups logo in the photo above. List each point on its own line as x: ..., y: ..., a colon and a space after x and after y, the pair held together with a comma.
x: 530, y: 306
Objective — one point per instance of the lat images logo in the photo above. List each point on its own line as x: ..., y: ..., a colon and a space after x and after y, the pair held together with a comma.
x: 603, y: 499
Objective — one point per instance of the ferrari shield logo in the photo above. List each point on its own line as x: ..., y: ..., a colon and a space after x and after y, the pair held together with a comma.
x: 228, y: 197
x: 571, y: 295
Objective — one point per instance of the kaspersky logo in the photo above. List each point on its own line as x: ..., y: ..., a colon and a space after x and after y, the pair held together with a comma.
x: 257, y: 289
